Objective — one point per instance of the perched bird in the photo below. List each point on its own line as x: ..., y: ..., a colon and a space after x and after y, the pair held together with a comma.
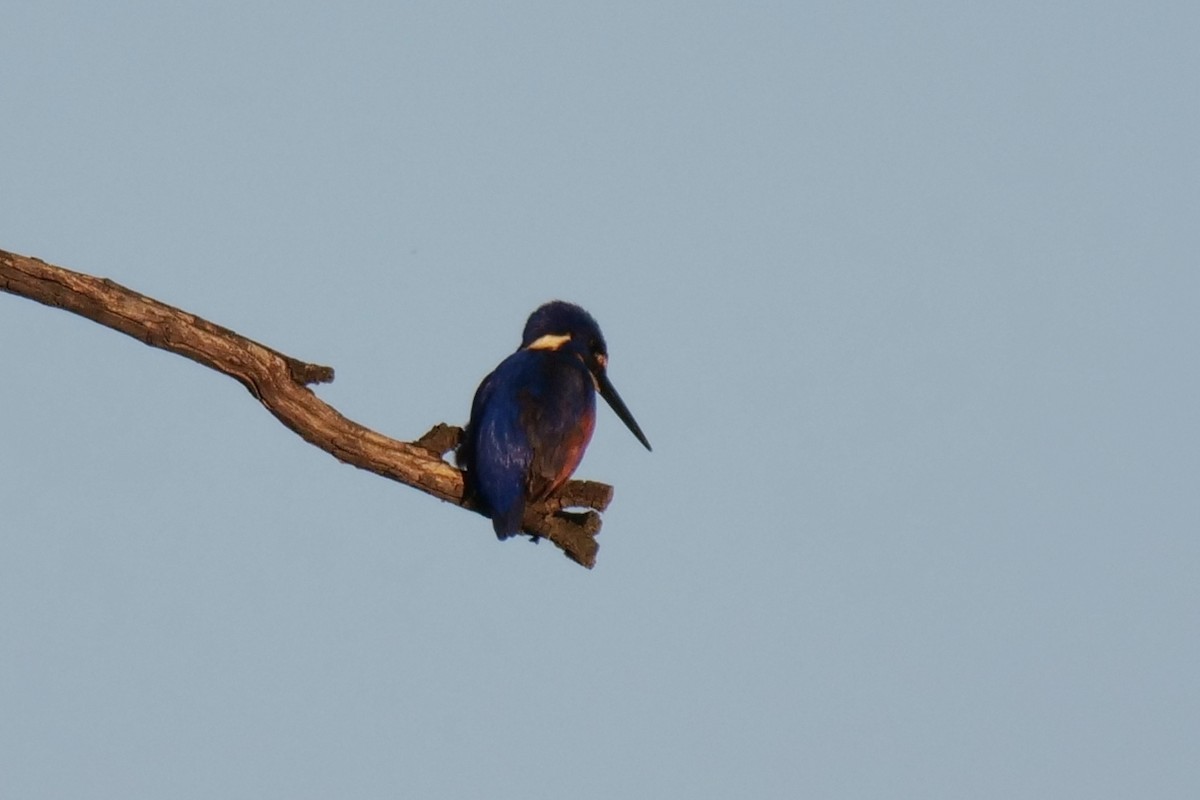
x: 533, y: 416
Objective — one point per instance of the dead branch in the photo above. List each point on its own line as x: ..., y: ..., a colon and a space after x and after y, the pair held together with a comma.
x: 280, y: 383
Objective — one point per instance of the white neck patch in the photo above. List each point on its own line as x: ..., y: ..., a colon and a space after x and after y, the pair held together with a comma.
x: 550, y: 341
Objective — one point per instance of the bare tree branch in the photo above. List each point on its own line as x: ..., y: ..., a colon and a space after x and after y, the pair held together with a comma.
x: 280, y: 383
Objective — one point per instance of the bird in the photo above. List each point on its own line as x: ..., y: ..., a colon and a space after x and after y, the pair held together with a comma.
x: 533, y: 416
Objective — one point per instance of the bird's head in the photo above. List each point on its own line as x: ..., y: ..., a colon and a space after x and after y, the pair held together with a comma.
x: 566, y: 327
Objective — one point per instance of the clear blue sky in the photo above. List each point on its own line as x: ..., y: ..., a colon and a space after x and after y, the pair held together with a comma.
x: 904, y: 295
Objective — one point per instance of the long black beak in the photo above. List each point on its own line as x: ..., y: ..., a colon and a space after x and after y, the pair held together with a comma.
x: 618, y: 405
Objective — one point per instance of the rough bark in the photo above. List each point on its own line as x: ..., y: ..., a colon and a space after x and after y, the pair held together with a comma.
x: 280, y: 383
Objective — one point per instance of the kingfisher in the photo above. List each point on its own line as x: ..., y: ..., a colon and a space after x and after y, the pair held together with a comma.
x: 533, y: 416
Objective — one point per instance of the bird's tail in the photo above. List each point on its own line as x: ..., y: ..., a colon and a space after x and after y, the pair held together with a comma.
x: 507, y: 522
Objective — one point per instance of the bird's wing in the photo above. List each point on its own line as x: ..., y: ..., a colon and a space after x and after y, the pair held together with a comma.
x: 495, y: 451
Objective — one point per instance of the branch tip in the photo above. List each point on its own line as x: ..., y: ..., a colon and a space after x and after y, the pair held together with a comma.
x: 307, y: 374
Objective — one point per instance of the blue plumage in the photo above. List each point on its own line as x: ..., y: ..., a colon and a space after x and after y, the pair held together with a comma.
x: 533, y: 416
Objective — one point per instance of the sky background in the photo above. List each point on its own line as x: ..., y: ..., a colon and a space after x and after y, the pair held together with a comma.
x: 905, y: 296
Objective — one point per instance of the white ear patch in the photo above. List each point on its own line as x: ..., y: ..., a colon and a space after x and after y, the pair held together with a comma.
x: 550, y: 341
